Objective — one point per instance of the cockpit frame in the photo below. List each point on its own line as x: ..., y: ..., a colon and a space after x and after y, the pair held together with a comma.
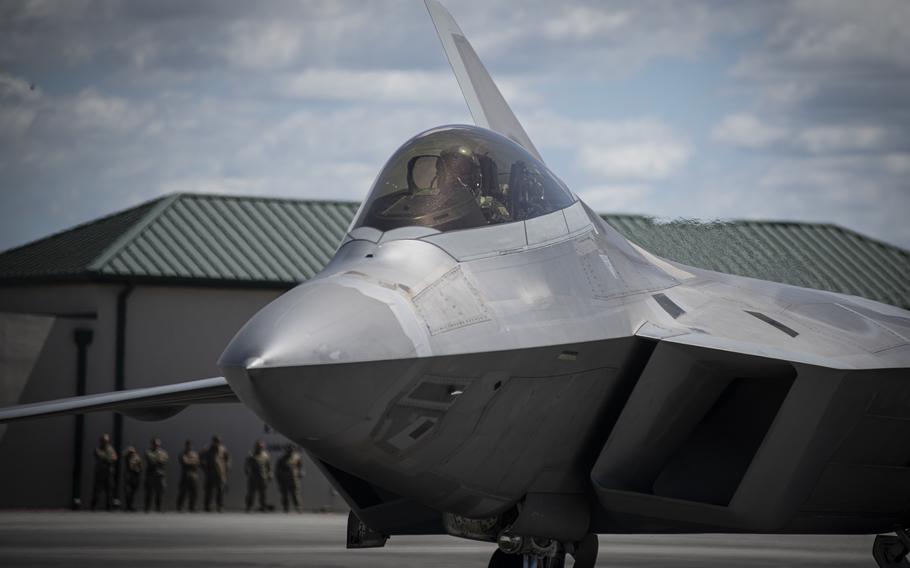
x: 461, y: 177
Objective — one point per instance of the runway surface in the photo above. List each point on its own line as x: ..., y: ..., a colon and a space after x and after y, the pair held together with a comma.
x: 312, y: 540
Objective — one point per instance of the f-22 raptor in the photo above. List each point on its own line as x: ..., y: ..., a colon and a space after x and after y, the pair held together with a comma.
x: 485, y: 357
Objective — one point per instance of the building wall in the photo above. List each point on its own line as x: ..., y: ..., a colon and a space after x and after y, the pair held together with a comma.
x: 173, y: 334
x: 36, y: 457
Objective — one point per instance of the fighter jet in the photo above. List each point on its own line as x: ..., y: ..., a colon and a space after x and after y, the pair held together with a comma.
x: 485, y: 357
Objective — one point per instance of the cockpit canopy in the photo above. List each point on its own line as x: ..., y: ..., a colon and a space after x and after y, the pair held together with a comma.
x: 460, y: 177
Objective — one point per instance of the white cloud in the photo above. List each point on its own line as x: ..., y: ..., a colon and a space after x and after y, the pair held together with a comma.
x: 832, y: 139
x: 607, y: 152
x: 216, y: 185
x: 583, y: 22
x: 94, y: 110
x: 816, y: 35
x: 393, y: 85
x: 615, y: 198
x: 258, y: 45
x: 307, y: 99
x: 634, y: 161
x: 17, y: 88
x: 18, y: 106
x: 15, y: 121
x: 897, y: 164
x: 750, y: 131
x: 747, y: 131
x: 381, y: 85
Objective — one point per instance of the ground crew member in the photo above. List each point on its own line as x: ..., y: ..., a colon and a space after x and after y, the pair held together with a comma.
x: 216, y: 465
x: 288, y: 471
x: 155, y: 470
x: 105, y: 470
x: 189, y: 478
x: 258, y: 470
x: 132, y: 475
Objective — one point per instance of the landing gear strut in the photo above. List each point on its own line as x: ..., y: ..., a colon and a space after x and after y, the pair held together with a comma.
x: 523, y: 552
x: 891, y: 551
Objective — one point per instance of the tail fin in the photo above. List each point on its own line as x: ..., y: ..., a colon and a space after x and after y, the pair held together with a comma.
x: 486, y: 103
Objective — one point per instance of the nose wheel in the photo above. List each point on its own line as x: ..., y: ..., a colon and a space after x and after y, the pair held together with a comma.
x: 518, y: 552
x: 502, y: 560
x: 891, y: 551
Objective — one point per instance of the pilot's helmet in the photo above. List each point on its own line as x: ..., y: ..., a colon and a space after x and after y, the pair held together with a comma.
x: 459, y: 166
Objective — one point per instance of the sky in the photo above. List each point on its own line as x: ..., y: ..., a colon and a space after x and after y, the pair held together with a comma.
x: 785, y: 110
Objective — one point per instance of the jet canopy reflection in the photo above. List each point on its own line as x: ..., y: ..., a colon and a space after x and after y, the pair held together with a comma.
x: 460, y: 177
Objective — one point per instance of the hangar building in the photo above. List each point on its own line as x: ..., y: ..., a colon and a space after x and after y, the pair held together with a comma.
x: 152, y: 294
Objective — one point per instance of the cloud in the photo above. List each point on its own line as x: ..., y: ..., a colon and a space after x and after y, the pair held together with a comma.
x: 897, y: 164
x: 634, y: 161
x: 216, y: 185
x: 14, y: 122
x: 598, y: 39
x: 93, y: 110
x: 746, y: 131
x: 831, y: 139
x: 584, y: 22
x: 308, y: 99
x: 17, y: 88
x: 825, y: 57
x: 391, y: 85
x: 616, y: 198
x: 642, y: 149
x: 254, y: 45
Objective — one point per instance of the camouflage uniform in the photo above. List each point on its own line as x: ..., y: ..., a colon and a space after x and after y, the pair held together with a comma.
x: 288, y: 471
x: 132, y: 475
x: 258, y: 469
x: 105, y: 472
x: 189, y: 479
x: 155, y: 463
x: 216, y: 464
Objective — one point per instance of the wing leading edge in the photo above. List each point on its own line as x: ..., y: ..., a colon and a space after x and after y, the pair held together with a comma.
x: 150, y: 403
x: 486, y: 103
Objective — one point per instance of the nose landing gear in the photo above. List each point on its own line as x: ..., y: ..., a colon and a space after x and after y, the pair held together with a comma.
x: 891, y: 551
x: 523, y: 552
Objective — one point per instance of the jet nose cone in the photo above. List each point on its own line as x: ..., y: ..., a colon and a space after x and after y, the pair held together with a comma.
x: 303, y: 362
x: 324, y: 323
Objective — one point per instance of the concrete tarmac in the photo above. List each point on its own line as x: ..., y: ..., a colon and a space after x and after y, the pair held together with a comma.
x: 172, y: 540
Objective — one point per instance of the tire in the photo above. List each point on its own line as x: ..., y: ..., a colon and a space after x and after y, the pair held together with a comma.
x: 586, y: 551
x: 502, y: 560
x: 887, y: 551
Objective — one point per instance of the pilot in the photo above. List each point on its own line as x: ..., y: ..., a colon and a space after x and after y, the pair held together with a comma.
x: 258, y: 469
x: 216, y: 465
x: 155, y: 471
x: 189, y: 478
x: 105, y: 470
x: 132, y: 475
x: 459, y: 169
x: 288, y: 471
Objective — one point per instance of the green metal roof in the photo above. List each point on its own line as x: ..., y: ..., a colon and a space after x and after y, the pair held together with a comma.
x: 255, y: 241
x: 813, y: 255
x: 192, y: 238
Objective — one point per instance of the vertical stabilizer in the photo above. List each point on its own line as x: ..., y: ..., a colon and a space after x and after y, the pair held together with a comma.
x: 486, y: 103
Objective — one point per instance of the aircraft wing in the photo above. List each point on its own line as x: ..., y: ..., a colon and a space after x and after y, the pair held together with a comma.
x: 486, y: 103
x: 150, y: 403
